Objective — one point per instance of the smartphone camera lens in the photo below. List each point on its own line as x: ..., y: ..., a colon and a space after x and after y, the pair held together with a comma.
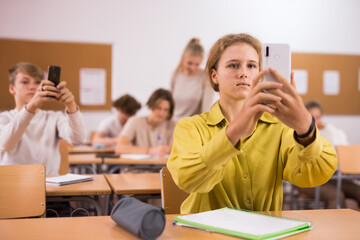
x: 267, y: 51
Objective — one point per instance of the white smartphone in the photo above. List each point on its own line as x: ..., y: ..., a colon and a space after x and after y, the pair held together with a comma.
x: 278, y: 57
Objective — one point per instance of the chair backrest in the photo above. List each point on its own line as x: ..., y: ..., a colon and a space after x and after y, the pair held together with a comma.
x: 349, y: 158
x: 91, y: 137
x: 171, y: 195
x: 22, y: 191
x: 64, y: 158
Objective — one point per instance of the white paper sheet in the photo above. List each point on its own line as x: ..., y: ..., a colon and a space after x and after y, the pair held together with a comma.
x: 331, y: 82
x: 301, y: 81
x: 92, y: 86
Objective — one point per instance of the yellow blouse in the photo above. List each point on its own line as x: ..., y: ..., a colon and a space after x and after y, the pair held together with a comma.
x: 204, y: 163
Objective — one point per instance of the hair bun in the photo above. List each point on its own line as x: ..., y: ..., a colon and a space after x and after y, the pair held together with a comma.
x: 194, y: 41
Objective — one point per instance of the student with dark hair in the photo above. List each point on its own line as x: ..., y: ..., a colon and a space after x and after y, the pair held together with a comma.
x: 191, y: 92
x: 150, y: 134
x: 239, y: 153
x: 126, y: 106
x: 31, y: 135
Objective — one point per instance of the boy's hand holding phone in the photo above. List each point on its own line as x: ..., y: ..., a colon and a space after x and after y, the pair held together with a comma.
x: 54, y: 91
x: 65, y: 96
x: 45, y: 93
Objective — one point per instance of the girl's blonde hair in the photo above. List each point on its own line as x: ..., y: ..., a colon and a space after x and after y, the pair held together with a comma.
x: 219, y: 47
x: 193, y: 48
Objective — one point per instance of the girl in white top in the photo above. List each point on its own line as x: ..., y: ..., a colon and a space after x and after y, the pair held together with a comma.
x: 191, y: 92
x: 30, y: 135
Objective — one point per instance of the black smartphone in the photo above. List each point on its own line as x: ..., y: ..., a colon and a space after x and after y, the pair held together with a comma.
x: 54, y: 74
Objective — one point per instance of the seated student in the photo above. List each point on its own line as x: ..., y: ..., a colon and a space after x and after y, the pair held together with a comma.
x: 150, y: 134
x: 31, y: 135
x: 238, y: 153
x: 336, y: 137
x: 126, y: 106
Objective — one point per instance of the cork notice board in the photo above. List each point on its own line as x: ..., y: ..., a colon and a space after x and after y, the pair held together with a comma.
x: 70, y: 56
x: 348, y: 66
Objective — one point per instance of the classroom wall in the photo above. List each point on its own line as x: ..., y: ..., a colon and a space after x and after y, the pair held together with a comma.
x: 148, y: 36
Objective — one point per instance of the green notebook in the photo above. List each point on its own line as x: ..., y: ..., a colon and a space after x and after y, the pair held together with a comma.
x: 244, y: 223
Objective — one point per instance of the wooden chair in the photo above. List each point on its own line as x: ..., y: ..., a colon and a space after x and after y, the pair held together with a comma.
x: 22, y: 191
x: 91, y: 138
x: 64, y: 158
x: 349, y: 158
x: 171, y: 195
x: 348, y: 166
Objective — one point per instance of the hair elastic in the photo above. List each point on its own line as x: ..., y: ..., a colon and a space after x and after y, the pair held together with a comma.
x: 309, y: 131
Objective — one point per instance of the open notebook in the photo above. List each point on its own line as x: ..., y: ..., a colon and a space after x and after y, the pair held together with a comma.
x: 244, y: 223
x: 68, y: 179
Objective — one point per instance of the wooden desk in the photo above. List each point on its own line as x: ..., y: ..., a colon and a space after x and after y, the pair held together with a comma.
x: 97, y: 187
x: 328, y: 224
x: 80, y: 191
x: 143, y: 184
x: 130, y: 161
x: 85, y: 161
x: 348, y: 166
x: 118, y: 163
x: 79, y: 149
x: 134, y: 183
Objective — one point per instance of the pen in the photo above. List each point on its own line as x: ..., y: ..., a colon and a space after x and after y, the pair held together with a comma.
x: 159, y: 139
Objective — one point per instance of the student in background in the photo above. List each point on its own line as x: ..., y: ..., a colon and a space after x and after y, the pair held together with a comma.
x: 330, y: 132
x: 31, y: 135
x: 238, y: 153
x: 126, y: 106
x: 191, y: 92
x: 150, y: 134
x: 336, y: 137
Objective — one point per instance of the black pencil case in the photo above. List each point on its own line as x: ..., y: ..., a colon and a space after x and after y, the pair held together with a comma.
x: 143, y: 220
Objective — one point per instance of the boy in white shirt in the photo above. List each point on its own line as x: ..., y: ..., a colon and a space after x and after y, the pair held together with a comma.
x: 126, y: 106
x: 31, y: 135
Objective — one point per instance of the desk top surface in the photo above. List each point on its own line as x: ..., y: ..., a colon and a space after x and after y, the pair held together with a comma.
x: 84, y: 158
x: 134, y: 183
x: 99, y: 186
x: 328, y: 224
x: 131, y: 161
x: 89, y: 149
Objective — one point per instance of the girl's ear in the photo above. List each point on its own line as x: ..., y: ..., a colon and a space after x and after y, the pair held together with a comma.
x: 214, y: 77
